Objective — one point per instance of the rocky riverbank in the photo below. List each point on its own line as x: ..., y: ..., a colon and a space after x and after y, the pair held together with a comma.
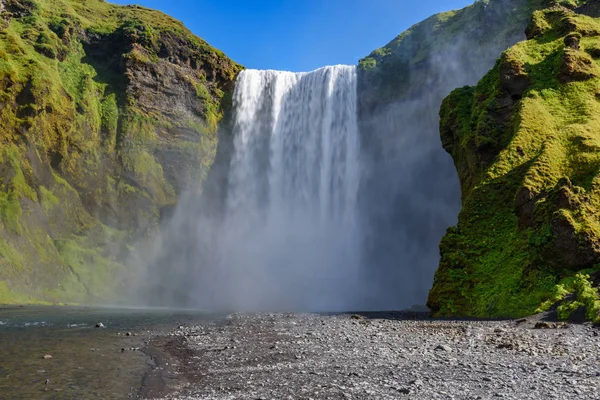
x: 375, y: 356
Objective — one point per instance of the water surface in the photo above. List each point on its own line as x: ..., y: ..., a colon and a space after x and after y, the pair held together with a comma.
x: 87, y: 362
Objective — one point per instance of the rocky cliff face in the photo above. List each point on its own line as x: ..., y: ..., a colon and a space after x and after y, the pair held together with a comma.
x: 410, y: 193
x: 525, y: 142
x: 108, y: 113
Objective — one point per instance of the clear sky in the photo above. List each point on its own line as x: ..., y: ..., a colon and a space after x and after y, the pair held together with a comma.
x: 298, y: 35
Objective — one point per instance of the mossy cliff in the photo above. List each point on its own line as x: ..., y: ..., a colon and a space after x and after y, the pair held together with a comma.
x: 526, y: 144
x: 410, y: 193
x: 106, y: 114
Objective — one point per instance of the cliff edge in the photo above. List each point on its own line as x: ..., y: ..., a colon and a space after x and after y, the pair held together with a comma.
x: 525, y: 141
x: 107, y: 114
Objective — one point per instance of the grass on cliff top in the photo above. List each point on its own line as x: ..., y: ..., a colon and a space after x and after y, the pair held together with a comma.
x: 490, y: 267
x: 103, y: 17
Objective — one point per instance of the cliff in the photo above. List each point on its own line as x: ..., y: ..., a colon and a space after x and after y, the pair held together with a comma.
x: 525, y: 141
x: 410, y: 193
x: 108, y: 113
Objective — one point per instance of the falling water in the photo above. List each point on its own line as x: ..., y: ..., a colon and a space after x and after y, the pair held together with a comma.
x: 290, y: 236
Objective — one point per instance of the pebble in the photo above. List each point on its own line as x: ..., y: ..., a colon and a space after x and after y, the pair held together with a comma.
x: 302, y: 356
x: 444, y: 348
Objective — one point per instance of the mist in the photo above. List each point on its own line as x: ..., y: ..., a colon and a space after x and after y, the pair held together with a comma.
x: 287, y: 237
x: 410, y: 192
x: 325, y: 195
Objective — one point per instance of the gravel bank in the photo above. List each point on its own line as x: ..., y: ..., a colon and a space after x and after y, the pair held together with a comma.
x: 384, y: 356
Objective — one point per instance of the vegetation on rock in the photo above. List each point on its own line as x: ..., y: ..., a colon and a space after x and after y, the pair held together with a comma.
x: 489, y: 26
x: 410, y: 192
x: 107, y: 113
x: 525, y: 142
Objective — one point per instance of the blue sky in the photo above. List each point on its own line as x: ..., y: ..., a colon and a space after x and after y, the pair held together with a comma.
x: 298, y: 35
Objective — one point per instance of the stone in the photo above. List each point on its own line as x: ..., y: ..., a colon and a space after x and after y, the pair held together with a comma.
x: 573, y: 41
x: 513, y: 77
x: 543, y: 325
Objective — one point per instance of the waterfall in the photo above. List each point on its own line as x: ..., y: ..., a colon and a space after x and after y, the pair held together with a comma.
x: 290, y: 235
x: 287, y: 237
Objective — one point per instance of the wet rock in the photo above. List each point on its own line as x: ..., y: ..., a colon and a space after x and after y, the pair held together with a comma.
x: 513, y: 78
x: 573, y: 40
x: 544, y: 325
x: 594, y: 52
x: 100, y: 325
x: 574, y: 250
x: 566, y: 196
x: 506, y: 345
x: 525, y: 207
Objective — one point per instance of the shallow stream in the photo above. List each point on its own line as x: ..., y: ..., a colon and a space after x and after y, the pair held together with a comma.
x: 86, y: 362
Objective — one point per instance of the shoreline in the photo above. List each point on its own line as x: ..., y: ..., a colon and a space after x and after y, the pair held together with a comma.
x: 386, y: 355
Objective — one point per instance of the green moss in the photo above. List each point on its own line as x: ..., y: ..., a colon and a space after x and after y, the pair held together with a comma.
x: 12, y: 261
x: 10, y: 212
x: 95, y: 274
x: 515, y: 158
x: 78, y: 146
x: 585, y: 297
x: 367, y: 63
x: 47, y: 199
x: 9, y: 297
x: 110, y: 119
